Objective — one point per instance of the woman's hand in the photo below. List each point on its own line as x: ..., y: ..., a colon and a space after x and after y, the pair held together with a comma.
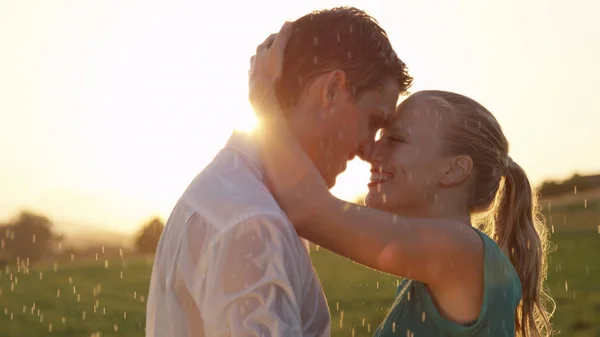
x: 291, y: 175
x: 265, y: 70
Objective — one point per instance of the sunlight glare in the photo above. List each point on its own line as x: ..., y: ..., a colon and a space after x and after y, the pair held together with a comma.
x: 247, y: 121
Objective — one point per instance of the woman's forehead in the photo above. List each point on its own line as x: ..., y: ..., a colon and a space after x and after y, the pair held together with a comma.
x: 416, y: 111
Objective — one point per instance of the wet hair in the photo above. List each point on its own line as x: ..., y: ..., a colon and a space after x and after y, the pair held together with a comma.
x: 344, y: 38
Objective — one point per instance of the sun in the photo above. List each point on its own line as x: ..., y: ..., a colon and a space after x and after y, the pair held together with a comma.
x: 247, y: 121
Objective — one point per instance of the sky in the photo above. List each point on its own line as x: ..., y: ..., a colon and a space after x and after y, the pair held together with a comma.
x: 108, y: 109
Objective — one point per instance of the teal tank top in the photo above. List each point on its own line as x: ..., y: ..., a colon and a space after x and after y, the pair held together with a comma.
x: 414, y: 314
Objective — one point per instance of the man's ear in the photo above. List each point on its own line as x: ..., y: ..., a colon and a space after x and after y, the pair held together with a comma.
x: 456, y: 170
x: 334, y: 87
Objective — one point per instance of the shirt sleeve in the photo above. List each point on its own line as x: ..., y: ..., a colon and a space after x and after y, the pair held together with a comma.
x: 252, y: 281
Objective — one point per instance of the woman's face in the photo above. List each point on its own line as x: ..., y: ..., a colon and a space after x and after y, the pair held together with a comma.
x: 407, y: 162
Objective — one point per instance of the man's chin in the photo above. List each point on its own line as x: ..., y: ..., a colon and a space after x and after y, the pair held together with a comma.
x: 330, y: 181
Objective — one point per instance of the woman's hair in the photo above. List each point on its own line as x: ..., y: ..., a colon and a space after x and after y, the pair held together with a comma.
x: 500, y: 189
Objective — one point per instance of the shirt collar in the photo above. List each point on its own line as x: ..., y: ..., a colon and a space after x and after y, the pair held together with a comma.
x: 246, y: 144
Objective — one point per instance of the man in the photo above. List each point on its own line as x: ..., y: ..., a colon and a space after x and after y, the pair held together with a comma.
x: 229, y: 262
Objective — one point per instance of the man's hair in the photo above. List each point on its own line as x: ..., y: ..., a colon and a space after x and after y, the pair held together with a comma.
x: 344, y: 38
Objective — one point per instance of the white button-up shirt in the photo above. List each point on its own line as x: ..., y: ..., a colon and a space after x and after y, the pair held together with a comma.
x: 229, y: 262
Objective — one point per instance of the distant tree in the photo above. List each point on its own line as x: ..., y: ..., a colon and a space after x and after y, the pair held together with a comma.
x: 148, y: 236
x: 575, y: 183
x: 28, y: 236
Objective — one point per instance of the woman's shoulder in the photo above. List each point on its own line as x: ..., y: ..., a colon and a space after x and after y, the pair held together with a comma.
x: 500, y: 275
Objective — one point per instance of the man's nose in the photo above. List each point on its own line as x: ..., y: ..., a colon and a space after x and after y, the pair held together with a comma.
x: 365, y: 151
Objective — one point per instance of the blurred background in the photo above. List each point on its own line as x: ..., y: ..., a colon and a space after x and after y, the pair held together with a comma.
x: 108, y: 109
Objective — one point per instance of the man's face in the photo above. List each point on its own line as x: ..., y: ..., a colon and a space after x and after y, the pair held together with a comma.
x: 342, y: 128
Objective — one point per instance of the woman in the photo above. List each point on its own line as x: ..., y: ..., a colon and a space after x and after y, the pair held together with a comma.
x: 442, y: 160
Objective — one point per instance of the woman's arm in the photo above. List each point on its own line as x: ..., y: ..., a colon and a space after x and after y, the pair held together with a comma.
x: 426, y: 250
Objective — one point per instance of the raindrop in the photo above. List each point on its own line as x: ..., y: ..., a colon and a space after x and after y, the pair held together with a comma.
x: 116, y: 327
x: 341, y: 319
x: 566, y: 286
x: 57, y: 292
x: 50, y: 327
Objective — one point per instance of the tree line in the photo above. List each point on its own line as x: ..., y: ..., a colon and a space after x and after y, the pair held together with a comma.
x: 30, y: 238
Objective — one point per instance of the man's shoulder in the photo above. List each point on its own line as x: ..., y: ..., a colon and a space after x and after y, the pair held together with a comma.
x: 230, y: 190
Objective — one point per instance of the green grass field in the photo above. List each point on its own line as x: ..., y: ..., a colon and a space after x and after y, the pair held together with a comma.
x: 108, y: 298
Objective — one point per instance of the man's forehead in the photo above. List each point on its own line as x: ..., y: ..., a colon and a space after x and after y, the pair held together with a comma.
x: 384, y: 99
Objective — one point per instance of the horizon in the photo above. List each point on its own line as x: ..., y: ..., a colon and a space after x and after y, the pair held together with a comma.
x: 108, y: 110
